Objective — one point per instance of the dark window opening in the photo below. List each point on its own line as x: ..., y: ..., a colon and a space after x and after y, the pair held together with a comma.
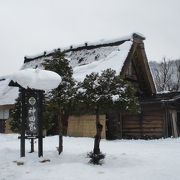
x: 2, y: 126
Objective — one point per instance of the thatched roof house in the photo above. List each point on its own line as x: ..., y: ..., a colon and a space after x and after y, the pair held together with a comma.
x: 127, y: 56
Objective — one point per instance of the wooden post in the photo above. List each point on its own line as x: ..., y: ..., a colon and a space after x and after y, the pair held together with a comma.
x: 22, y: 138
x: 120, y: 134
x: 40, y: 135
x: 60, y: 148
x: 99, y: 128
x: 32, y: 145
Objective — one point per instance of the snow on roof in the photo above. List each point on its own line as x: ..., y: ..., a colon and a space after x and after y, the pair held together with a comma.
x: 36, y: 79
x: 96, y: 43
x: 34, y: 64
x: 114, y: 60
x: 84, y: 61
x: 7, y: 94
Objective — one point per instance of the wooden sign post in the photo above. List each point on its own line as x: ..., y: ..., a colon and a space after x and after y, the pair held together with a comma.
x: 32, y: 119
x: 32, y: 83
x: 31, y: 126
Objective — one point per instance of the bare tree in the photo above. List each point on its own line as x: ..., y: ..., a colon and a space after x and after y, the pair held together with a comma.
x: 176, y: 82
x: 163, y: 75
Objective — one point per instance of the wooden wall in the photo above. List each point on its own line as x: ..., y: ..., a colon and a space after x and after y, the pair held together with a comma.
x: 85, y: 126
x: 149, y: 123
x: 153, y: 119
x: 131, y: 126
x: 7, y: 121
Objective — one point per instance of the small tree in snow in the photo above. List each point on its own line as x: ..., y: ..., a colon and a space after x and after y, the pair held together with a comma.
x: 102, y: 93
x: 61, y: 99
x: 123, y: 96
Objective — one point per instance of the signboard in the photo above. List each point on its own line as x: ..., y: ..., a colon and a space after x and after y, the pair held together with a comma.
x: 32, y: 102
x: 32, y: 114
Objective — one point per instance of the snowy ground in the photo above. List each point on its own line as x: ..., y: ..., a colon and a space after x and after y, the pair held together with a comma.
x: 125, y: 160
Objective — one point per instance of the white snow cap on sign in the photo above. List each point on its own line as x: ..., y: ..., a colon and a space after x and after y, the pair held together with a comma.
x: 7, y: 94
x: 36, y: 79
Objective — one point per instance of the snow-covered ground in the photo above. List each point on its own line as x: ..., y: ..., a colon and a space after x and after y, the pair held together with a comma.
x: 125, y: 160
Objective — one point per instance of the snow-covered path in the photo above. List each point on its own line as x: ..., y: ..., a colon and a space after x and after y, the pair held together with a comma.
x: 125, y: 160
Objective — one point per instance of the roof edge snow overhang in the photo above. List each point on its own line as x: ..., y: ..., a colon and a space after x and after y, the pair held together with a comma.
x: 88, y: 46
x: 163, y: 97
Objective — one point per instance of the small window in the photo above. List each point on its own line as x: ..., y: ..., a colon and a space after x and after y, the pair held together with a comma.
x: 4, y: 113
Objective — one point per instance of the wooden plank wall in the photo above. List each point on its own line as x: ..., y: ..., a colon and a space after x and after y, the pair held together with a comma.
x: 148, y: 124
x: 131, y: 126
x: 153, y: 119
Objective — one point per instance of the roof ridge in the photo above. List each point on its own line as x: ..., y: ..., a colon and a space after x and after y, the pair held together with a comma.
x: 88, y: 45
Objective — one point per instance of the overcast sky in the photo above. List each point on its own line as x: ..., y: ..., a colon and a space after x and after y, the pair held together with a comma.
x: 29, y: 27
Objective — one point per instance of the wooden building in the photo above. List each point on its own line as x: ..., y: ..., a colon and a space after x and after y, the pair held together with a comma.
x: 159, y: 116
x: 7, y: 100
x: 5, y: 119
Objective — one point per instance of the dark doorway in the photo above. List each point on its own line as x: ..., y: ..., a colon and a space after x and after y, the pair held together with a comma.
x: 113, y: 126
x: 2, y: 126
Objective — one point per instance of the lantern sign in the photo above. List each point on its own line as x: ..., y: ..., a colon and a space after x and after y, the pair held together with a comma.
x: 32, y: 115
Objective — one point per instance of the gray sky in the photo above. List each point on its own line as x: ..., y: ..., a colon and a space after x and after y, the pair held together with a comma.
x: 29, y: 27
